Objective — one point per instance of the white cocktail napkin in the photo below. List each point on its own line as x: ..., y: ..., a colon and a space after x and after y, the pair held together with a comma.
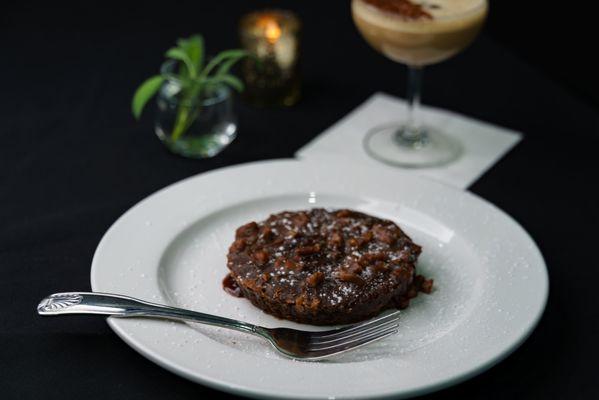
x: 483, y: 144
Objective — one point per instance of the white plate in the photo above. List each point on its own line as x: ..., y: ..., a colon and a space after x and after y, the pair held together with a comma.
x: 490, y: 279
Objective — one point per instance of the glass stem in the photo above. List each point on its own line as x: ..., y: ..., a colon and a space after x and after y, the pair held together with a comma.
x: 411, y: 133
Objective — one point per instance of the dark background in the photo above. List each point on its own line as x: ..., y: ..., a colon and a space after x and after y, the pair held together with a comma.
x: 72, y: 160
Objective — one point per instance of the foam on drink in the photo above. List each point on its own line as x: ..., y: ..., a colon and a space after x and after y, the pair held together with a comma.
x: 419, y: 32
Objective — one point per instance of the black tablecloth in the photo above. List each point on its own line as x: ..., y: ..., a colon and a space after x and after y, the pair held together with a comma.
x: 72, y: 160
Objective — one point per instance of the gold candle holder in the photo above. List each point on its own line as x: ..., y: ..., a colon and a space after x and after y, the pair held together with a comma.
x: 271, y: 75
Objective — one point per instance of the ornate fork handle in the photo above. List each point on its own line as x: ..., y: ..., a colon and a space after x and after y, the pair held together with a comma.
x: 123, y: 306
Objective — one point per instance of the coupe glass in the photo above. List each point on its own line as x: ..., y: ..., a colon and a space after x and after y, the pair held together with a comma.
x: 416, y: 33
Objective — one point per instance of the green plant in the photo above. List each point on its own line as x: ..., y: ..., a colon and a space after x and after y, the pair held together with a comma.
x: 197, y: 76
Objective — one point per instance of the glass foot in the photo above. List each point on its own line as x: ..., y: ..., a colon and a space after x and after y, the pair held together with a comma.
x: 392, y: 145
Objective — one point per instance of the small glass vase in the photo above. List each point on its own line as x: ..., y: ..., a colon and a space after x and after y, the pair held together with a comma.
x: 198, y: 128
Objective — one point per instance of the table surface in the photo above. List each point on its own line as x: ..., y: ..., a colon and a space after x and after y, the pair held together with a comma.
x: 72, y: 160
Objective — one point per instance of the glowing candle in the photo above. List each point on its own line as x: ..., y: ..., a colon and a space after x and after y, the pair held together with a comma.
x: 272, y: 37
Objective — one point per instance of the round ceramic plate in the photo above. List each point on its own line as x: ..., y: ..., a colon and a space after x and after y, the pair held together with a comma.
x: 490, y: 281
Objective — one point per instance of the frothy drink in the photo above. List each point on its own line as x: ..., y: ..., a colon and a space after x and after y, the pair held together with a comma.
x: 419, y: 32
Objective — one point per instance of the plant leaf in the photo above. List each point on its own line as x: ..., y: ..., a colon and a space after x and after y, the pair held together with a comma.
x: 194, y: 48
x: 230, y: 80
x: 222, y: 56
x: 227, y: 64
x: 144, y: 92
x: 180, y: 55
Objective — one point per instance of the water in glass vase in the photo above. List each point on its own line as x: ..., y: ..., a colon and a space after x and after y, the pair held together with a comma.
x: 197, y: 128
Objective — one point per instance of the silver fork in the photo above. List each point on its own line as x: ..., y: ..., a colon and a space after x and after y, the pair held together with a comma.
x: 290, y: 342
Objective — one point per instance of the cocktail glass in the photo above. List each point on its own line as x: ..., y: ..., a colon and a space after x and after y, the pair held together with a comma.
x: 416, y: 34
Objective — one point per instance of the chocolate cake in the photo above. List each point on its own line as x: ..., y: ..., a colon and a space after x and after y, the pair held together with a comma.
x: 324, y: 267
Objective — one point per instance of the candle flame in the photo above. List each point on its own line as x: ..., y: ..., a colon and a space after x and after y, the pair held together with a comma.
x: 271, y: 28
